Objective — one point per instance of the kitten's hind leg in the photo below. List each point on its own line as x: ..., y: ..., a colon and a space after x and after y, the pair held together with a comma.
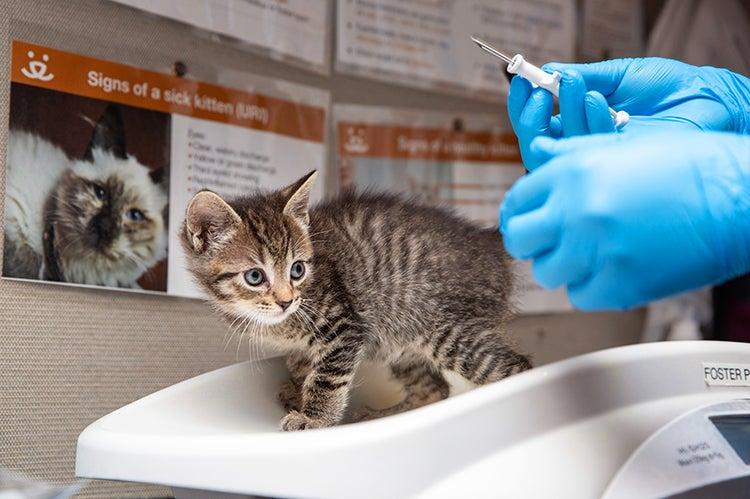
x: 422, y: 383
x: 479, y: 354
x: 290, y: 394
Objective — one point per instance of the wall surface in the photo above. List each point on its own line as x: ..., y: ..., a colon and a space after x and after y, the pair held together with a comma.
x: 70, y: 355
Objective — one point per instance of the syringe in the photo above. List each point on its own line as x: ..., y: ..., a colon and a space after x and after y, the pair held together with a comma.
x: 550, y: 82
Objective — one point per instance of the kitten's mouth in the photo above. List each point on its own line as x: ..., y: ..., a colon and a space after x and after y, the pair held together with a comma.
x: 273, y: 318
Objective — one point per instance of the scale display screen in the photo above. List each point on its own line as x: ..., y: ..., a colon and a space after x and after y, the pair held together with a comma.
x: 735, y: 428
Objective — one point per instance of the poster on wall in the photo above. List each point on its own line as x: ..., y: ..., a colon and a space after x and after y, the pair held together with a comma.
x: 465, y: 163
x: 103, y: 159
x: 611, y: 29
x: 427, y: 44
x: 293, y: 31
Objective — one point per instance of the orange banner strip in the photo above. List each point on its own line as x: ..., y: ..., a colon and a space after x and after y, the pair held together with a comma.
x: 399, y: 142
x: 54, y: 69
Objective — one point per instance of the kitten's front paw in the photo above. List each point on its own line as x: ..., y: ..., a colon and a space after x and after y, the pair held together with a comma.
x: 289, y: 396
x: 295, y: 421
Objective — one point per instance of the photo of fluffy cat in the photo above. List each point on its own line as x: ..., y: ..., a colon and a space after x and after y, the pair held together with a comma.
x: 98, y: 219
x: 359, y: 277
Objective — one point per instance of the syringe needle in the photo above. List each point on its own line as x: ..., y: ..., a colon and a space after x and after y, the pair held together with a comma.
x: 550, y: 82
x: 488, y: 48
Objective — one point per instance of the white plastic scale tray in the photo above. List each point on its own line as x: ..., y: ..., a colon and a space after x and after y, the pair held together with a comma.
x: 560, y: 430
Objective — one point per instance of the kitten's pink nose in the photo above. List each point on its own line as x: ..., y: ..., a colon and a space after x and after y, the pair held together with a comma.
x: 284, y: 304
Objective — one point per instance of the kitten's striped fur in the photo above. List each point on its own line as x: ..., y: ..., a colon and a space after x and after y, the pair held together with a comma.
x: 388, y: 280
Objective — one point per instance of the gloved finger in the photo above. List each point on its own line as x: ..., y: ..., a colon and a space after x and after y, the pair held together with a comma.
x: 531, y: 233
x: 545, y: 148
x: 520, y: 90
x: 528, y: 193
x: 561, y: 266
x: 572, y: 107
x: 604, y: 77
x: 540, y: 152
x: 641, y: 125
x: 555, y: 127
x: 533, y: 122
x: 583, y: 296
x: 536, y: 114
x: 597, y: 113
x: 604, y: 290
x: 693, y: 114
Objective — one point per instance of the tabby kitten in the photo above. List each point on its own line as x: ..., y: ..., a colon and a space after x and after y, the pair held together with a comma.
x: 97, y: 220
x: 359, y: 277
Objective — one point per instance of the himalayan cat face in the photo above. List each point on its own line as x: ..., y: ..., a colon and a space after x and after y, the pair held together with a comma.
x: 253, y: 256
x: 109, y: 209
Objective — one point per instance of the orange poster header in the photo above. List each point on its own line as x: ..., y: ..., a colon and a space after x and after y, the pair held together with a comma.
x: 80, y: 75
x: 399, y: 142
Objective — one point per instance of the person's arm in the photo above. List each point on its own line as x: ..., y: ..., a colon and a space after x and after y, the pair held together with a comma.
x: 620, y: 221
x: 658, y: 94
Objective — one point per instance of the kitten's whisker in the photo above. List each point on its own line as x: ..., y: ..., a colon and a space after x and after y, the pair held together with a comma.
x: 253, y: 325
x: 235, y: 331
x: 249, y: 352
x: 64, y: 202
x: 305, y: 316
x: 239, y: 342
x: 226, y: 332
x: 138, y: 264
x: 251, y: 337
x: 252, y: 343
x: 306, y: 319
x: 261, y: 357
x: 226, y: 341
x: 313, y: 234
x: 241, y: 324
x: 68, y: 245
x: 256, y: 339
x: 305, y: 303
x: 313, y: 326
x: 310, y: 320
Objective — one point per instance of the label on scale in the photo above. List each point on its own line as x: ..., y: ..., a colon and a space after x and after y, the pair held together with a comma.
x: 726, y: 374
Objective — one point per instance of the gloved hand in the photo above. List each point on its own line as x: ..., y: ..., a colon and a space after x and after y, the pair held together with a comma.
x: 658, y: 94
x: 621, y: 221
x: 530, y: 112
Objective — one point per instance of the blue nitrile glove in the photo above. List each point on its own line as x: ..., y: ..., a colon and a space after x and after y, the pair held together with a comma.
x: 530, y: 112
x: 622, y: 220
x: 657, y: 93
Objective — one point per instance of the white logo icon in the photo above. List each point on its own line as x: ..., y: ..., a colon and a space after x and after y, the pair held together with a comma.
x: 37, y: 69
x: 355, y: 141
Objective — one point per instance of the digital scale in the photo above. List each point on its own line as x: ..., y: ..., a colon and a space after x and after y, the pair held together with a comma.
x: 704, y: 453
x: 651, y: 420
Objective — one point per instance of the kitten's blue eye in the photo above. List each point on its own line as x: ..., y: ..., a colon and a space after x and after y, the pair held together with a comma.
x: 255, y: 277
x: 298, y: 270
x: 98, y: 192
x: 136, y: 215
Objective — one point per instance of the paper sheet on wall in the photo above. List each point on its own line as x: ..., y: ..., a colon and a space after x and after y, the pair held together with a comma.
x: 611, y: 29
x: 97, y: 195
x: 464, y: 162
x: 427, y: 43
x: 293, y: 30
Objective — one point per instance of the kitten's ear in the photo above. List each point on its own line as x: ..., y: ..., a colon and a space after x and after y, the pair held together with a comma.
x: 209, y: 222
x: 108, y: 135
x: 158, y: 175
x: 297, y: 197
